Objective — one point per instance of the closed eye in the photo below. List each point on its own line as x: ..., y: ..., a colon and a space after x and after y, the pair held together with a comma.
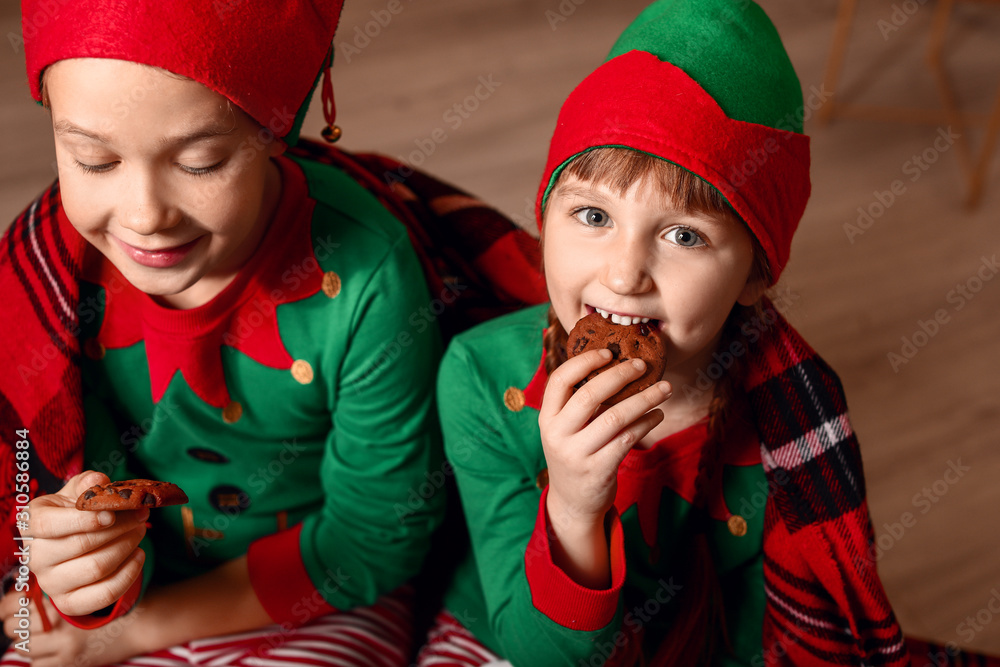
x: 96, y: 168
x: 203, y: 171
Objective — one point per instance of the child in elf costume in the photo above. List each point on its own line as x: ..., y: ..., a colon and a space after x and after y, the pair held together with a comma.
x: 639, y: 534
x: 196, y: 305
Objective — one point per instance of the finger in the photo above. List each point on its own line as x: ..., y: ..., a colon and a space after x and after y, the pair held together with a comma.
x: 51, y: 522
x: 88, y: 599
x: 9, y: 603
x: 562, y: 383
x: 89, y: 566
x: 619, y: 417
x: 582, y: 406
x: 619, y: 446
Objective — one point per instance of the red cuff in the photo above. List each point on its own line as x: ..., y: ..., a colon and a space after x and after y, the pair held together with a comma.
x: 560, y: 598
x: 280, y: 580
x: 122, y: 607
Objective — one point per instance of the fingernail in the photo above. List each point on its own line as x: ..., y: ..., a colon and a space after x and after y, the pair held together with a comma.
x: 605, y: 352
x: 638, y: 364
x: 665, y: 388
x: 105, y: 518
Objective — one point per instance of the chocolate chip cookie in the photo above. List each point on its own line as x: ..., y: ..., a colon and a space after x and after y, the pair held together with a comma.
x: 631, y: 341
x: 131, y: 494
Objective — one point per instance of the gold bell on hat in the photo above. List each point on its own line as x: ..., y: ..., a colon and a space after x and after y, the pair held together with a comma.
x: 332, y: 133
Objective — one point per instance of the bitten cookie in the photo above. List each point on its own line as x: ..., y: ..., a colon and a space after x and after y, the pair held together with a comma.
x: 633, y: 341
x: 131, y: 494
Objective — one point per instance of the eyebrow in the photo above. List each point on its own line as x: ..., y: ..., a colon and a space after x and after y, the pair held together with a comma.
x: 600, y: 198
x: 572, y: 190
x: 66, y: 127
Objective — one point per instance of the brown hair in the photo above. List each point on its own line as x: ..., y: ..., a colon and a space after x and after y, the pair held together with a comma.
x: 700, y: 622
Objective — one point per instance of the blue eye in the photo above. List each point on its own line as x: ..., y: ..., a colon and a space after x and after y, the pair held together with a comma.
x: 685, y: 237
x: 593, y: 217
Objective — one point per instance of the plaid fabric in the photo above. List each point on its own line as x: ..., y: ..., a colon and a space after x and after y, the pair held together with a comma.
x: 40, y: 264
x: 825, y: 602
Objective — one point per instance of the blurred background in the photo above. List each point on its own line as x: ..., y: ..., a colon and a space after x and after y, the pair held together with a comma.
x: 893, y: 277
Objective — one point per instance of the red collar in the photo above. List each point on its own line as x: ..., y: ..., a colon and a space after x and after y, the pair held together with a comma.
x: 242, y: 316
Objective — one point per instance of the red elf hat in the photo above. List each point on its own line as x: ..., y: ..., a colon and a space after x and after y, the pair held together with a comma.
x: 707, y: 85
x: 265, y: 57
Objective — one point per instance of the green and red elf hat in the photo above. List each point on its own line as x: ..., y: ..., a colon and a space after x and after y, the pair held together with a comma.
x: 707, y: 85
x: 266, y: 57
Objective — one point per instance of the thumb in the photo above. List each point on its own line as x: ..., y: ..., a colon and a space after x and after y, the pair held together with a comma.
x: 80, y: 483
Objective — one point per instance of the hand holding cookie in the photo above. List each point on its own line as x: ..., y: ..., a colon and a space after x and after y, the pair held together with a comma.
x: 597, y: 405
x: 84, y: 561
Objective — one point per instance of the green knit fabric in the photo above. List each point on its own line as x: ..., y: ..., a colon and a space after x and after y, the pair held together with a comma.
x: 731, y: 48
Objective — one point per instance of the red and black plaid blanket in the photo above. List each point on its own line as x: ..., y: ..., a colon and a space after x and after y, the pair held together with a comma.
x: 825, y: 603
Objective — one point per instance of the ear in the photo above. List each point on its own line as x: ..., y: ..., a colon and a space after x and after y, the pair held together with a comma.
x: 752, y: 292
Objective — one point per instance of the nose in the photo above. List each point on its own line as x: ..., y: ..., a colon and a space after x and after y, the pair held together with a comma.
x: 626, y: 266
x: 146, y: 208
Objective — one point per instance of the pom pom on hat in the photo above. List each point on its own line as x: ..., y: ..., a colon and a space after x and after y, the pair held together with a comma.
x: 265, y: 57
x: 707, y: 85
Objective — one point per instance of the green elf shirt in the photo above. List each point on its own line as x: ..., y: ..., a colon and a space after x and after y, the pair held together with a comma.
x: 294, y: 409
x: 509, y: 592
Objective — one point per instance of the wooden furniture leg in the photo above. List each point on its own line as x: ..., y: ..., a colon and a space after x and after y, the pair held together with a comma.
x: 845, y: 15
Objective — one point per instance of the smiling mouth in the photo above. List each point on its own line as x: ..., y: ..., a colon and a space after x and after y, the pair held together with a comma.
x: 625, y: 320
x: 159, y: 258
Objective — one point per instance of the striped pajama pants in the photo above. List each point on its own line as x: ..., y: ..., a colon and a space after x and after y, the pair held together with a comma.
x: 376, y: 636
x: 449, y: 644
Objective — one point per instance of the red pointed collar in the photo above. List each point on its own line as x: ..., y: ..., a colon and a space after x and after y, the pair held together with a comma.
x: 242, y: 316
x: 671, y: 462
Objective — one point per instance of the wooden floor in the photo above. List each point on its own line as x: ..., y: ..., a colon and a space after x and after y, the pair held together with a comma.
x: 929, y: 426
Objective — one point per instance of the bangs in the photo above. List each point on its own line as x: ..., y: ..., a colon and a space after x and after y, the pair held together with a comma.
x: 619, y: 169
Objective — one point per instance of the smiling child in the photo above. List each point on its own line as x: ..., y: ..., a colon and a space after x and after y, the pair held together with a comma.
x: 213, y: 313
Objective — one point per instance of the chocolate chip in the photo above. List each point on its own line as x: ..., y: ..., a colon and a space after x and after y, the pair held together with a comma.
x: 615, y: 350
x: 580, y: 344
x: 125, y: 493
x: 88, y: 494
x: 643, y: 329
x: 149, y: 499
